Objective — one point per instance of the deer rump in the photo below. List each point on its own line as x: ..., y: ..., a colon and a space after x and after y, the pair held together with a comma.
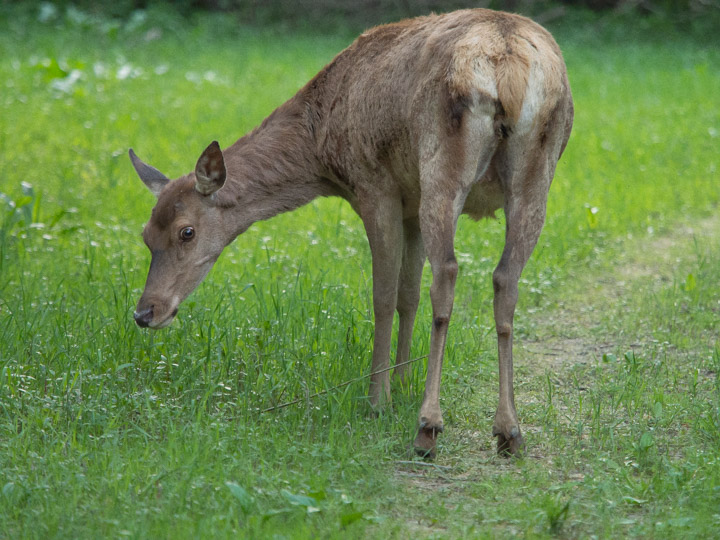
x: 413, y: 124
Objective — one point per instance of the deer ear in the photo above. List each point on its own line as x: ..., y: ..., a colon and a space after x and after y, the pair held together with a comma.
x: 210, y: 170
x: 151, y: 177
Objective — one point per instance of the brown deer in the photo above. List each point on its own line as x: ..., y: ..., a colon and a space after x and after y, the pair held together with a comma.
x: 413, y: 124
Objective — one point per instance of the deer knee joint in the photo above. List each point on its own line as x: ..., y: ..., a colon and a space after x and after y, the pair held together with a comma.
x: 441, y: 322
x: 500, y: 281
x: 450, y: 269
x: 384, y: 305
x: 504, y: 329
x: 408, y: 306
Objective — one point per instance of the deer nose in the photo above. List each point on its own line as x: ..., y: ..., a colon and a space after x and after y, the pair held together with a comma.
x: 143, y: 318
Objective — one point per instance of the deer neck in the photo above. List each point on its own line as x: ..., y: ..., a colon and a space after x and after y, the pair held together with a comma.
x: 273, y: 169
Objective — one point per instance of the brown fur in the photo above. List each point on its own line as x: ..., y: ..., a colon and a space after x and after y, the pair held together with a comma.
x: 413, y: 124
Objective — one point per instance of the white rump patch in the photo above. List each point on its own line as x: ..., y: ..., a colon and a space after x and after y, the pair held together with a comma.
x: 534, y: 99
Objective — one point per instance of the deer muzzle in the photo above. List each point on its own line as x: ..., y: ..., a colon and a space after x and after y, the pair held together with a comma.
x: 156, y: 315
x: 144, y: 318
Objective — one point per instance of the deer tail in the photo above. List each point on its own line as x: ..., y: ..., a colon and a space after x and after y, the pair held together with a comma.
x: 511, y: 74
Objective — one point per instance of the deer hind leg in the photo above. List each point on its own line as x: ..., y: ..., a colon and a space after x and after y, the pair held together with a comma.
x: 446, y: 180
x: 438, y: 226
x: 413, y: 258
x: 382, y: 217
x: 525, y: 203
x: 526, y: 165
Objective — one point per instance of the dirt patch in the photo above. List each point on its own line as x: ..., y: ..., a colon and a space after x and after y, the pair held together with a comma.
x: 660, y: 256
x: 556, y: 354
x: 574, y: 334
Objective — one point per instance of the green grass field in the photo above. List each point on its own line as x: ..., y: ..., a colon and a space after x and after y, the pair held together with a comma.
x: 107, y: 430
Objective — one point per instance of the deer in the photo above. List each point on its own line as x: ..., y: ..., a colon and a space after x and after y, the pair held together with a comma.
x: 413, y: 124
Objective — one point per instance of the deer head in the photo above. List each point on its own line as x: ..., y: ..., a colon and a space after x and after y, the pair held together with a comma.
x: 185, y: 234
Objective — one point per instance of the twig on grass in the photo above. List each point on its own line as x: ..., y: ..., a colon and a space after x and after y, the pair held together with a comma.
x: 425, y: 464
x: 327, y: 390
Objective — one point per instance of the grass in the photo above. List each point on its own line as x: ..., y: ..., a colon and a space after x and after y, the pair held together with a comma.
x: 107, y: 430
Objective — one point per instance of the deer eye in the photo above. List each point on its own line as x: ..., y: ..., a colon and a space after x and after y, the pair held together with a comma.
x: 187, y: 233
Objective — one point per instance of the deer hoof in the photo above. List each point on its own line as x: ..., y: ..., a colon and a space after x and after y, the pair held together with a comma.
x: 426, y: 440
x: 509, y: 443
x: 377, y: 409
x: 380, y: 400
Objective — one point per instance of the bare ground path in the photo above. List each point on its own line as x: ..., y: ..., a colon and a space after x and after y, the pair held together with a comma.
x: 578, y: 331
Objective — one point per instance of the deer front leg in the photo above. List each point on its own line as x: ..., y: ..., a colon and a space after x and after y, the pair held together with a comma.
x: 437, y: 221
x: 408, y: 293
x: 382, y: 217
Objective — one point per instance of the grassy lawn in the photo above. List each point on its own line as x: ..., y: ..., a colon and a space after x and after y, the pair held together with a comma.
x: 107, y: 430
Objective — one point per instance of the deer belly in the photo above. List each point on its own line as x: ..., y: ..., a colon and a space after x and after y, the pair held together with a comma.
x: 485, y: 197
